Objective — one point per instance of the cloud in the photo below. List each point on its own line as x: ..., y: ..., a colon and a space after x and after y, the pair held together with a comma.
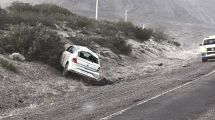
x: 5, y: 3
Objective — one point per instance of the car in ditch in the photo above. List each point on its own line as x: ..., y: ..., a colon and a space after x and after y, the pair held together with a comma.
x: 80, y: 60
x: 208, y: 48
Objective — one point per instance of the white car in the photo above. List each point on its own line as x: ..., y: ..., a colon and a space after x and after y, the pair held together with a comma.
x: 81, y: 60
x: 208, y: 48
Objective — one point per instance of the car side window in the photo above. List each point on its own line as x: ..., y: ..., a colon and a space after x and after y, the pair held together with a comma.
x: 72, y: 49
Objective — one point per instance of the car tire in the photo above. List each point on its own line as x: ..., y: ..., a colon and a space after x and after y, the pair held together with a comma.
x: 204, y: 59
x: 65, y: 70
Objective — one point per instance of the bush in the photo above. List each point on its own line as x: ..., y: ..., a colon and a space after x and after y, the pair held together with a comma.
x: 44, y: 13
x: 117, y: 44
x: 142, y: 34
x: 3, y: 16
x: 159, y: 33
x: 176, y: 43
x: 8, y: 65
x: 120, y: 46
x: 128, y: 28
x: 2, y: 51
x: 83, y: 42
x: 108, y: 28
x: 35, y: 43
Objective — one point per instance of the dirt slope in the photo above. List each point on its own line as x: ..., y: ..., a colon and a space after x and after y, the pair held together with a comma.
x: 37, y: 85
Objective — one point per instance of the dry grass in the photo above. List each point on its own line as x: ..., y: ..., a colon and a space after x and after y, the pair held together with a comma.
x: 9, y: 66
x: 35, y: 84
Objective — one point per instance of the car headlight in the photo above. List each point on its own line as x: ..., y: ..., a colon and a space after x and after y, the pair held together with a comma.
x: 204, y: 49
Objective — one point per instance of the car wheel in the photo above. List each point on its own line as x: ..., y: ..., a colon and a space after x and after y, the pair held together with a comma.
x: 65, y: 70
x: 204, y: 59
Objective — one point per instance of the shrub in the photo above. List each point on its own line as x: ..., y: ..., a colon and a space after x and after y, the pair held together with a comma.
x: 83, y: 42
x: 3, y: 16
x: 176, y: 43
x: 8, y: 65
x: 44, y: 13
x: 49, y: 9
x: 142, y: 34
x: 21, y: 7
x: 159, y: 33
x: 120, y: 46
x: 128, y: 28
x: 2, y: 51
x: 35, y: 43
x: 116, y: 43
x: 108, y: 28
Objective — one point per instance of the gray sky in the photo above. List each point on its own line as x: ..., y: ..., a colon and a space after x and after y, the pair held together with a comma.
x: 5, y: 3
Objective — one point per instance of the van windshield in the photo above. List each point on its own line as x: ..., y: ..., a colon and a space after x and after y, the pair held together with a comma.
x: 209, y: 41
x: 88, y: 56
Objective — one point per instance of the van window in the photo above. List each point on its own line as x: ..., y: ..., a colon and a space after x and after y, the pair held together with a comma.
x: 88, y: 56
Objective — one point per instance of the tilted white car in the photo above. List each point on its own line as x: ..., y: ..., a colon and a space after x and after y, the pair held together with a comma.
x: 81, y: 60
x: 208, y: 48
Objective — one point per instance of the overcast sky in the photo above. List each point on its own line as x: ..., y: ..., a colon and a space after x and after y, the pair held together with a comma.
x: 5, y: 3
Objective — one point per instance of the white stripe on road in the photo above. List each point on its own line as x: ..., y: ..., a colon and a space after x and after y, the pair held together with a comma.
x: 122, y: 111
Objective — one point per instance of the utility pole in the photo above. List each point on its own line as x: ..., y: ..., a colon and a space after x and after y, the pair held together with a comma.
x: 126, y: 15
x: 97, y: 4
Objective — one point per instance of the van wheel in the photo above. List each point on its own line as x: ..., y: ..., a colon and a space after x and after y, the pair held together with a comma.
x: 65, y: 70
x: 204, y: 59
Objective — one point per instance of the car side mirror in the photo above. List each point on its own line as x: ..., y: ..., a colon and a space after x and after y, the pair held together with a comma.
x: 200, y: 44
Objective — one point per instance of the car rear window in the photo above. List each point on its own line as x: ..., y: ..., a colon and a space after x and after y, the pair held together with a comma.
x: 88, y: 56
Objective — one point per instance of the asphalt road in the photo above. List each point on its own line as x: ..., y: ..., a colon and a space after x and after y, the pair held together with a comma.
x: 181, y: 93
x: 190, y: 102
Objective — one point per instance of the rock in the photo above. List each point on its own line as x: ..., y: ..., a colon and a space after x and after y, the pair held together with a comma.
x: 17, y: 56
x: 185, y: 65
x: 160, y: 64
x: 142, y: 50
x: 21, y: 101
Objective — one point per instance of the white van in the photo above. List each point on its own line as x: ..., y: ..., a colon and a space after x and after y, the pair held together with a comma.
x: 81, y: 60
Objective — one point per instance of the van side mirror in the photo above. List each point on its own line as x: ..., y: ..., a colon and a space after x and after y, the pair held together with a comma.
x: 200, y: 44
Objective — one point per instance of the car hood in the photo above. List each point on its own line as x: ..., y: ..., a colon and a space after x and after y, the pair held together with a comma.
x: 209, y: 46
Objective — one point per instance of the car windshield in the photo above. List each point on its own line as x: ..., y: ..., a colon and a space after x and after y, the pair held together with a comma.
x: 88, y: 56
x: 209, y: 41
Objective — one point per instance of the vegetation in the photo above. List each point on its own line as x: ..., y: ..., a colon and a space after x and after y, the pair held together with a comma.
x: 30, y: 32
x: 176, y: 43
x: 159, y: 33
x: 108, y: 34
x: 45, y: 13
x: 2, y: 51
x: 8, y: 65
x: 116, y: 43
x: 35, y: 43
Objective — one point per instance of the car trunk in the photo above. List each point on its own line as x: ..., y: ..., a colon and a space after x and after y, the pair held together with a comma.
x: 86, y: 62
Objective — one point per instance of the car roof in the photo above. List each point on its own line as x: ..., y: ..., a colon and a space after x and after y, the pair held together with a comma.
x: 82, y: 48
x: 210, y: 37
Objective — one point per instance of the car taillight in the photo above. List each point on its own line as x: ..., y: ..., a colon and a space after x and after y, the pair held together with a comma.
x: 98, y: 69
x: 74, y: 60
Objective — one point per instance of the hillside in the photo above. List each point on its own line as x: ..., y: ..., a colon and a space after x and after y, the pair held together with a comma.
x: 128, y: 54
x: 188, y: 21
